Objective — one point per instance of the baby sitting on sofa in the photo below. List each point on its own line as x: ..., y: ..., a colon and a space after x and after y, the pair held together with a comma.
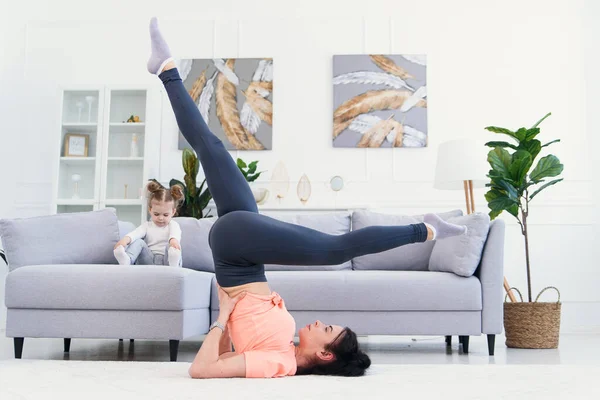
x: 148, y: 243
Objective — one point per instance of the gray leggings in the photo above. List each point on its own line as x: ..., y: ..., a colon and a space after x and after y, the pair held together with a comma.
x: 140, y: 254
x: 242, y: 240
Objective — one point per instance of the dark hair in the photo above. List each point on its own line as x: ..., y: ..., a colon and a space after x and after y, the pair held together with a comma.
x: 348, y: 359
x: 158, y: 192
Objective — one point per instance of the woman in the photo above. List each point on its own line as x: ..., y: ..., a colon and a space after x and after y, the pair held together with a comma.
x: 250, y: 315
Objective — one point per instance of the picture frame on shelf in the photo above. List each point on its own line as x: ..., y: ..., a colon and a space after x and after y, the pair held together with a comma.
x: 97, y: 153
x: 76, y: 145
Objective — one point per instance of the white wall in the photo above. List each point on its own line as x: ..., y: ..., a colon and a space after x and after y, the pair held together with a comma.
x: 489, y: 63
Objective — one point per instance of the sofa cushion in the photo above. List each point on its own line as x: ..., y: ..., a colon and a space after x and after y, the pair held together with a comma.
x: 195, y: 250
x: 70, y: 238
x: 107, y: 287
x: 125, y: 227
x: 411, y: 257
x: 334, y: 223
x: 461, y: 254
x: 373, y: 291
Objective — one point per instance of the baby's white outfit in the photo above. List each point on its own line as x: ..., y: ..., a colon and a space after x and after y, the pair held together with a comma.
x: 150, y: 245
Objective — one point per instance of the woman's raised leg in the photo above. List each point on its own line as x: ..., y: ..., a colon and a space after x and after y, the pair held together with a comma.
x: 243, y: 238
x: 227, y: 185
x: 242, y: 242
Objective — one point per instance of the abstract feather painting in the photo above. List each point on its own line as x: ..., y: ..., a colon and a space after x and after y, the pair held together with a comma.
x: 379, y: 101
x: 235, y: 98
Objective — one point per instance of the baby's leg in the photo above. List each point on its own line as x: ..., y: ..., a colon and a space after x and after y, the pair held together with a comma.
x: 173, y: 258
x: 122, y: 256
x: 136, y: 253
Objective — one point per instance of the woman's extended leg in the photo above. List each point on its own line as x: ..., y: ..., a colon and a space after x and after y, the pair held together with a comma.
x: 227, y: 185
x: 257, y: 239
x: 243, y: 242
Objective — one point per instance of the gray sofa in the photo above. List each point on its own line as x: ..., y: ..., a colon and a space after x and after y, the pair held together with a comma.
x: 64, y: 283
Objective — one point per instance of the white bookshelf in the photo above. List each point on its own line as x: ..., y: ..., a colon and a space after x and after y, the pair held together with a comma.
x: 110, y: 175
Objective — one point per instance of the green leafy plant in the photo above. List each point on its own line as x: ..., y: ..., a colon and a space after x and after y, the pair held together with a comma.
x: 513, y: 186
x: 197, y: 198
x: 249, y: 170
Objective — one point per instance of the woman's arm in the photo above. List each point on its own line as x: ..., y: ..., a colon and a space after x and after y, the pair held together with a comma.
x: 212, y: 362
x: 225, y: 342
x: 207, y: 363
x: 209, y: 351
x: 233, y: 366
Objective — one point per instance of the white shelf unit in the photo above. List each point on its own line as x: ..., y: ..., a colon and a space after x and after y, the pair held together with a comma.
x: 111, y: 176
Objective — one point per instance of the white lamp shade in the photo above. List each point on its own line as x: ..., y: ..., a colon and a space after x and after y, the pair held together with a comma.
x: 461, y: 160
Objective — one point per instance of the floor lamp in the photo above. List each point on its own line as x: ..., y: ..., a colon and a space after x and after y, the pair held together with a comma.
x: 462, y: 164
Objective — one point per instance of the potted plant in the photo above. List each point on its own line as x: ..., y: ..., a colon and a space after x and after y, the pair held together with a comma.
x: 249, y: 171
x: 196, y: 198
x: 513, y: 185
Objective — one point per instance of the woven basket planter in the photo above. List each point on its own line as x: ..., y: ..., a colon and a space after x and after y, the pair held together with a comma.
x: 532, y: 325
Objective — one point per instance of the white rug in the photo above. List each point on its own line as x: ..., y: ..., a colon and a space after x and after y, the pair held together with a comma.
x: 46, y: 379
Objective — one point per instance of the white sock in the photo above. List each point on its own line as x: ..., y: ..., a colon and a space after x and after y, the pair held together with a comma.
x: 174, y: 257
x: 160, y: 52
x: 121, y: 256
x: 442, y: 228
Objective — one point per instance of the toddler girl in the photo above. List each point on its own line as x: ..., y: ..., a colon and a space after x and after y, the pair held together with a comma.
x: 155, y: 242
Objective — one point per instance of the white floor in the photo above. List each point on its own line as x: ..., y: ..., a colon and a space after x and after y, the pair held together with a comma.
x: 90, y: 380
x: 403, y: 367
x: 574, y: 349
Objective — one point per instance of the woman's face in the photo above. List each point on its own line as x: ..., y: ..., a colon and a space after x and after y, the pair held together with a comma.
x: 314, y: 337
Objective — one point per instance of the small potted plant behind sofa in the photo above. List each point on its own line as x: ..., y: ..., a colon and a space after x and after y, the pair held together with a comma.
x: 513, y: 186
x: 195, y: 198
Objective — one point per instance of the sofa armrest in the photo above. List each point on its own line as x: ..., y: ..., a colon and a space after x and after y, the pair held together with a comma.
x: 491, y: 275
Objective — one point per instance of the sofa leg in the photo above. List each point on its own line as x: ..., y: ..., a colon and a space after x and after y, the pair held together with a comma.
x: 67, y: 345
x: 18, y: 342
x: 173, y: 347
x: 449, y: 340
x: 491, y: 343
x: 464, y: 340
x: 131, y: 340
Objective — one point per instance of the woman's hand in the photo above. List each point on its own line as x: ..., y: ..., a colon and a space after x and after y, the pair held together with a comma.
x: 227, y: 304
x: 175, y: 243
x: 123, y: 242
